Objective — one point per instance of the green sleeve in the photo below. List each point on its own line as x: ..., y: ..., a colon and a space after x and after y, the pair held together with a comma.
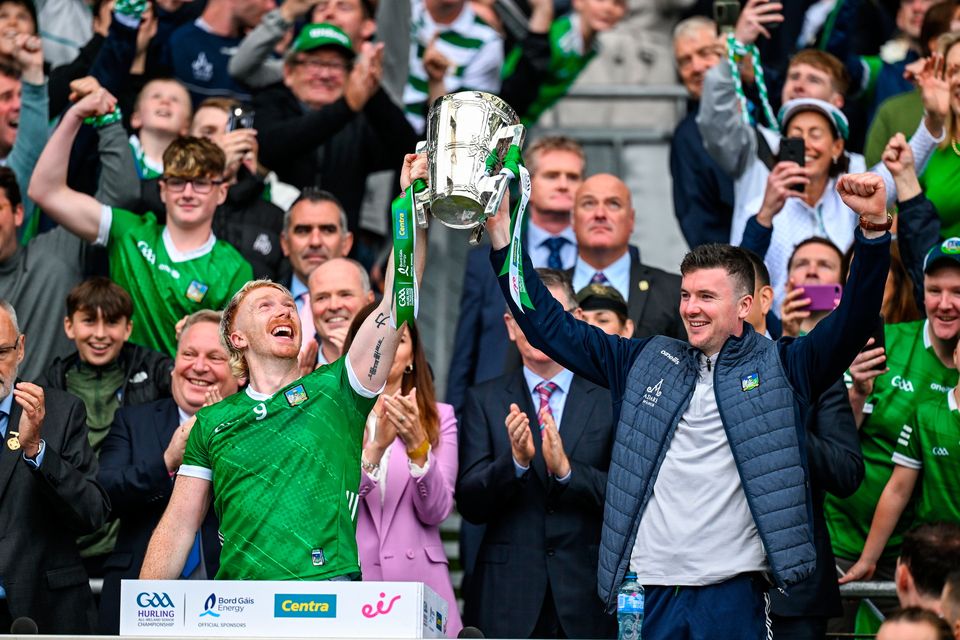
x: 908, y: 452
x: 877, y: 137
x: 196, y: 454
x: 122, y: 221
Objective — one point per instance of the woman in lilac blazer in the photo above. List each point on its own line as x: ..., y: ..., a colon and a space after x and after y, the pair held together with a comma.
x: 409, y: 471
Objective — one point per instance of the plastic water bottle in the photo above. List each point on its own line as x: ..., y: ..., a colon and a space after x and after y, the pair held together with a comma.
x: 630, y: 608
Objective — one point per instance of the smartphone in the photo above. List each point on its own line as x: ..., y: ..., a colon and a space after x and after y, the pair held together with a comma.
x: 823, y: 297
x: 878, y: 337
x: 726, y: 13
x: 792, y: 150
x: 240, y: 118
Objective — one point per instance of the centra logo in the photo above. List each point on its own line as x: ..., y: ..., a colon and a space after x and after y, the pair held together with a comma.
x: 304, y: 605
x: 154, y: 600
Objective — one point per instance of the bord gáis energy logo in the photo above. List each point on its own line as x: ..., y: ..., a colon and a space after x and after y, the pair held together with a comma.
x: 208, y: 607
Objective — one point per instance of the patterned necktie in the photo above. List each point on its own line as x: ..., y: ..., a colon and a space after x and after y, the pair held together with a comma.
x: 554, y: 245
x: 599, y: 278
x: 307, y: 329
x: 545, y: 389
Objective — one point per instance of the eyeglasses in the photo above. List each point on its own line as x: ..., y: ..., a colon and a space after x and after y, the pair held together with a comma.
x: 9, y: 350
x: 322, y: 65
x: 200, y: 185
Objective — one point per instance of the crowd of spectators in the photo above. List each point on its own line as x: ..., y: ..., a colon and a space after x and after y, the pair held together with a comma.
x: 157, y: 155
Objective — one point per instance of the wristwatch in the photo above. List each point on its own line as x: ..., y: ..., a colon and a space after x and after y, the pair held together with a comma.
x: 866, y: 225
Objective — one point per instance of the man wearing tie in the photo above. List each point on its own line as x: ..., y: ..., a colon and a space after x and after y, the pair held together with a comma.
x: 140, y: 457
x: 534, y: 452
x: 314, y: 231
x: 48, y: 497
x: 556, y: 165
x: 603, y: 219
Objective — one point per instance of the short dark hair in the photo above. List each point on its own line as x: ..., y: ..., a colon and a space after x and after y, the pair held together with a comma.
x: 760, y: 271
x: 317, y: 195
x: 562, y: 280
x: 30, y: 8
x: 919, y: 615
x: 936, y: 22
x: 8, y: 182
x: 825, y: 242
x: 733, y: 260
x: 931, y: 552
x: 9, y: 68
x: 103, y: 294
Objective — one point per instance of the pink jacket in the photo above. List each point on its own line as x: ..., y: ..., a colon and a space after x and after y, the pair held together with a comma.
x: 400, y: 539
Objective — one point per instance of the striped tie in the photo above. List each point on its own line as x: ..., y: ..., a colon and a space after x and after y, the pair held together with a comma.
x: 545, y: 389
x: 599, y: 278
x: 554, y: 246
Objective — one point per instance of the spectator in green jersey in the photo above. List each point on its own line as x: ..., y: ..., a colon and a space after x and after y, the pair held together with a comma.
x: 927, y: 452
x: 169, y: 270
x: 572, y: 40
x: 290, y: 442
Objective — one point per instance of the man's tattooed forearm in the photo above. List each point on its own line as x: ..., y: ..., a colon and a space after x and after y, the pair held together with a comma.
x: 381, y: 320
x: 376, y: 360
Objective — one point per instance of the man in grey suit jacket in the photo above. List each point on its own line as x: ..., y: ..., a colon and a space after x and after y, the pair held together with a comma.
x: 49, y: 497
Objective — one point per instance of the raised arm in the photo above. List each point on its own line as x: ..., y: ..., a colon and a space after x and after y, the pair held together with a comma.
x: 173, y: 538
x: 587, y: 351
x: 375, y: 345
x: 816, y: 360
x: 78, y: 212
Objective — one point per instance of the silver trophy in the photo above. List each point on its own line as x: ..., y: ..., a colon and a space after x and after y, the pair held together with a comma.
x: 463, y: 130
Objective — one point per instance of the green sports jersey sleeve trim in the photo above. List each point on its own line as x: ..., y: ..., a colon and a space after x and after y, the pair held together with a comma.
x: 355, y: 383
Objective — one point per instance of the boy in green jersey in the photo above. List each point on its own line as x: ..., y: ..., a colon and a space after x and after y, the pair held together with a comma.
x: 283, y: 458
x: 169, y: 270
x: 927, y: 452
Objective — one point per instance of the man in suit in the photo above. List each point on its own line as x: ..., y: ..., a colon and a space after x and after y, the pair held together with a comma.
x: 540, y: 492
x: 49, y: 497
x: 314, y: 231
x: 141, y: 455
x: 556, y: 165
x: 603, y: 219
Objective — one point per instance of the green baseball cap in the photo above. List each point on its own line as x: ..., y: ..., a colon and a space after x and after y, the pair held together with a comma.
x: 314, y: 36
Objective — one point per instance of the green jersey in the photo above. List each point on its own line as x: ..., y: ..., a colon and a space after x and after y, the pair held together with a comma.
x: 568, y: 57
x: 285, y: 471
x: 930, y: 443
x: 916, y: 375
x: 166, y: 284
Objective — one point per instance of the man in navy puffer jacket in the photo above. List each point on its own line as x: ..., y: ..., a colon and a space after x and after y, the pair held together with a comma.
x: 708, y: 494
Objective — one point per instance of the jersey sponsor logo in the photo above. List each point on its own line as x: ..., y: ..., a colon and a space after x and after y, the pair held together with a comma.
x: 296, y: 395
x: 940, y: 452
x: 167, y: 268
x: 223, y: 425
x: 196, y: 291
x: 902, y: 383
x: 202, y: 68
x: 304, y: 605
x: 939, y: 387
x: 750, y: 382
x: 653, y: 394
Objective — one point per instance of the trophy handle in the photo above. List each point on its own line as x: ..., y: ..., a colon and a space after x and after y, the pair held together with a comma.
x: 421, y: 200
x: 515, y: 133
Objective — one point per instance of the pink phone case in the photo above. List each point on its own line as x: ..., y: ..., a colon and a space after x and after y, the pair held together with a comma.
x: 823, y: 297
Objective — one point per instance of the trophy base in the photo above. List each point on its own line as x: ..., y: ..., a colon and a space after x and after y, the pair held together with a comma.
x: 457, y: 212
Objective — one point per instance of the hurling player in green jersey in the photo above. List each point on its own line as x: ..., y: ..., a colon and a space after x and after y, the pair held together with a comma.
x: 926, y: 453
x: 171, y: 270
x: 281, y: 461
